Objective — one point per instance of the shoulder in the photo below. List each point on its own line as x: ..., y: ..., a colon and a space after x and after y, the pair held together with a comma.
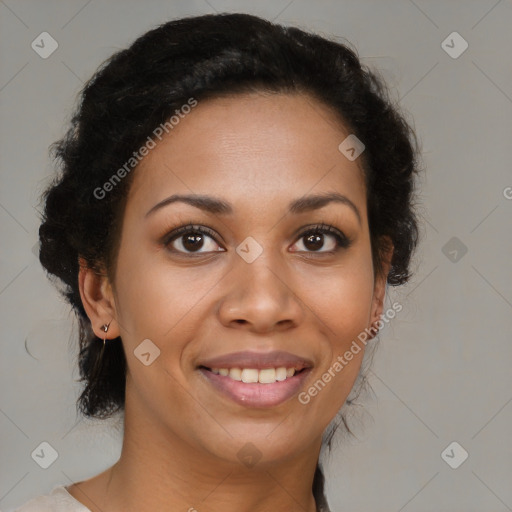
x: 58, y: 500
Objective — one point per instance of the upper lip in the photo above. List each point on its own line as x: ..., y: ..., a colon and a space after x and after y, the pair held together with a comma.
x: 258, y: 360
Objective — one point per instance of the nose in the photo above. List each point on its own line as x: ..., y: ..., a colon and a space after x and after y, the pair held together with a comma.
x: 261, y: 298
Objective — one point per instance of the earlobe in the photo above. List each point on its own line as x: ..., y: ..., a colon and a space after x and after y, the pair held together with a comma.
x: 379, y: 293
x: 97, y: 299
x: 377, y: 304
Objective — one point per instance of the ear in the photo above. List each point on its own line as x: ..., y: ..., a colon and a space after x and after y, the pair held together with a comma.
x: 98, y: 300
x: 379, y: 290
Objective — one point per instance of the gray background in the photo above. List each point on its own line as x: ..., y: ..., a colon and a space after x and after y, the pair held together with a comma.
x: 442, y: 370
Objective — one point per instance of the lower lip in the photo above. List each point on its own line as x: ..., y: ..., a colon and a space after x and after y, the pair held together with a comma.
x: 254, y: 394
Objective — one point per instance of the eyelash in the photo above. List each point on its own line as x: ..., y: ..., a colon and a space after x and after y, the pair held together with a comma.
x: 342, y: 241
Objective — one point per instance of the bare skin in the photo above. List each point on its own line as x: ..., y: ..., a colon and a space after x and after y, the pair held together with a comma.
x: 258, y: 152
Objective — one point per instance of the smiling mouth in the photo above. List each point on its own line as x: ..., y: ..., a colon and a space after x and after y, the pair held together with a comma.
x: 255, y: 375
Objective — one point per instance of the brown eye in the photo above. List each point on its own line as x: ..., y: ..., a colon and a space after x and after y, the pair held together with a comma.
x: 191, y: 239
x: 315, y: 241
x: 323, y: 237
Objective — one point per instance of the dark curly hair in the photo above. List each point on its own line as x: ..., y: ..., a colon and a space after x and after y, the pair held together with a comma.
x: 141, y: 87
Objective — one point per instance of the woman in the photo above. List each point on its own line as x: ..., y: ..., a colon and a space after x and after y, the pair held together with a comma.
x: 234, y: 197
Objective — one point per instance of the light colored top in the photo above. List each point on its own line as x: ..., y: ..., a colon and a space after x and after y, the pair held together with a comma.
x: 58, y: 500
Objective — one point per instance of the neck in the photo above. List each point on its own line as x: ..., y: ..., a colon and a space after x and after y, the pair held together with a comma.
x: 157, y: 471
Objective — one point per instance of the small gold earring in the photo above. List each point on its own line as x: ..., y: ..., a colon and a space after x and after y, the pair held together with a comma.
x: 105, y: 329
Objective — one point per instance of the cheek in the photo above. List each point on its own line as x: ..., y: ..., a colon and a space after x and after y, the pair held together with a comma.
x: 157, y: 297
x: 342, y: 302
x: 160, y: 303
x: 343, y: 307
x: 342, y: 299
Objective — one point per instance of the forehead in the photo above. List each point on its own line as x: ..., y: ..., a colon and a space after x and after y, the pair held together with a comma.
x: 257, y: 148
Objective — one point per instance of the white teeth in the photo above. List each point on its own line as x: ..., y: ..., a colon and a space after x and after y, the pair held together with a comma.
x: 281, y: 373
x: 267, y: 376
x: 249, y: 375
x: 235, y: 374
x: 253, y: 375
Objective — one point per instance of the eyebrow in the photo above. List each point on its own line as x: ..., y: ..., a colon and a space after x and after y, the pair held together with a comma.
x: 218, y: 206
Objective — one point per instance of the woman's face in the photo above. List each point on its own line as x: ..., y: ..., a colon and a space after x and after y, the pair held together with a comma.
x: 260, y: 280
